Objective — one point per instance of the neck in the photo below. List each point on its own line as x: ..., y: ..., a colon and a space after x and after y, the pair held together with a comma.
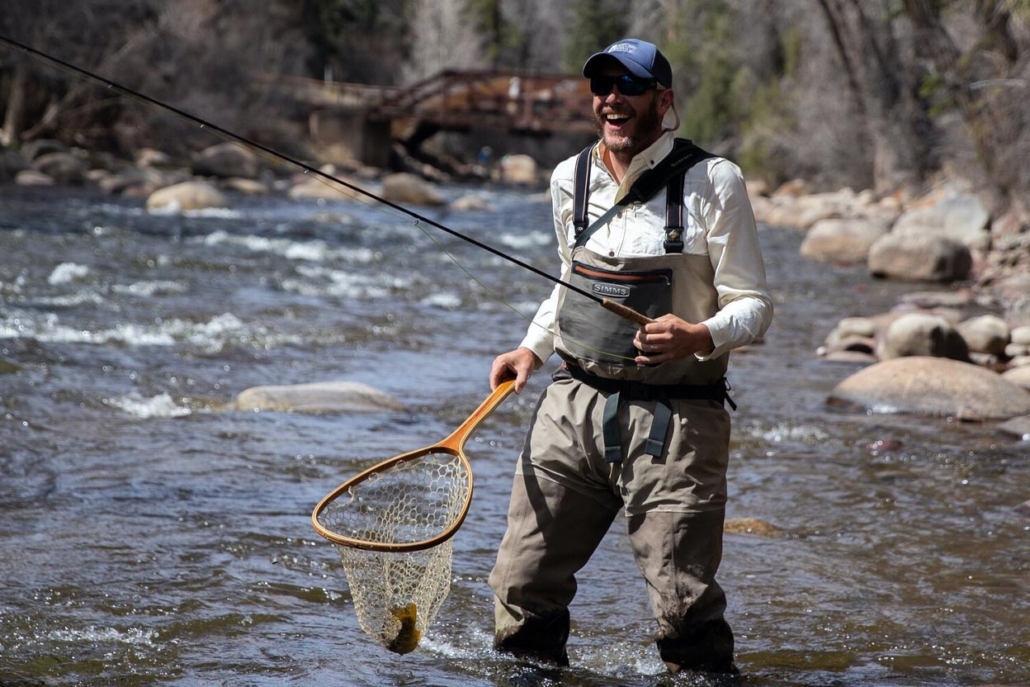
x: 617, y: 163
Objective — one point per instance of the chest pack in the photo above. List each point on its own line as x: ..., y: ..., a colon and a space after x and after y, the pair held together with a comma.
x: 667, y: 174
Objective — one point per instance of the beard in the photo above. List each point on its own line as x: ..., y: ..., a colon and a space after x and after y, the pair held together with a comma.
x: 646, y: 130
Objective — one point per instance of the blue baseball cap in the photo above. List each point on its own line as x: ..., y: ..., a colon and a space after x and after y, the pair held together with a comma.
x: 641, y: 58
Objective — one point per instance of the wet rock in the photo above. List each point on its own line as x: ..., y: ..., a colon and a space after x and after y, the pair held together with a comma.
x: 317, y: 397
x: 42, y: 146
x: 248, y: 187
x: 922, y: 334
x: 227, y: 160
x: 149, y: 157
x: 63, y: 168
x: 1020, y: 376
x: 32, y: 177
x: 407, y: 189
x: 753, y: 526
x: 189, y: 195
x: 933, y: 386
x: 847, y: 356
x: 842, y: 241
x: 919, y: 257
x: 1017, y: 427
x: 311, y: 188
x: 985, y: 334
x: 470, y: 202
x: 518, y: 169
x: 1021, y: 336
x: 8, y: 366
x: 960, y: 217
x: 135, y: 182
x: 1023, y: 509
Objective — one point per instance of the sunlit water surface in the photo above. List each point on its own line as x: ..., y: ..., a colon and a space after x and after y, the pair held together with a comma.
x: 151, y: 537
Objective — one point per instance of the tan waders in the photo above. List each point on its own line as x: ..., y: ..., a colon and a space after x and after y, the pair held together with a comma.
x: 565, y: 497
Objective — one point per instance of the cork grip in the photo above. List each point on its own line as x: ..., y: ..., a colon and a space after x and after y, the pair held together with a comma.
x: 622, y: 311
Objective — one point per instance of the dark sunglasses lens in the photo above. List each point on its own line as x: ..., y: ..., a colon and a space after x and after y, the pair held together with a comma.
x: 601, y: 85
x: 628, y: 85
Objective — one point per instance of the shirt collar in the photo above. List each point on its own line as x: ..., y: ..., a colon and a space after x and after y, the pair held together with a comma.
x: 646, y: 159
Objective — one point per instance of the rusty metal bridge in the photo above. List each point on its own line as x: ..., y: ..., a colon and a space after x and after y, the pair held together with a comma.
x: 361, y: 116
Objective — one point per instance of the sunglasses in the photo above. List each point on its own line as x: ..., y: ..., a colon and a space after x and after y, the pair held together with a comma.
x: 627, y: 83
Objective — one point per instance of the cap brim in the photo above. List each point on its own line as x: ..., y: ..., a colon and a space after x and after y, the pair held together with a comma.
x: 599, y: 60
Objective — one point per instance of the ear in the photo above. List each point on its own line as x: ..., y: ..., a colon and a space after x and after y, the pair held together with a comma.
x: 666, y: 99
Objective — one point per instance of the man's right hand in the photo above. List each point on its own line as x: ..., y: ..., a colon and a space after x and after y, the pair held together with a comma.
x: 519, y: 364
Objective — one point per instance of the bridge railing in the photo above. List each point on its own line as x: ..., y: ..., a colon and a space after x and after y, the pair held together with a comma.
x: 454, y: 99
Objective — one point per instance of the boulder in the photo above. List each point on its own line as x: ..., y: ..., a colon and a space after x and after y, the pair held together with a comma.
x: 317, y: 397
x: 518, y: 169
x: 42, y: 146
x: 985, y: 334
x: 248, y: 187
x: 319, y: 188
x: 921, y: 334
x: 227, y: 160
x: 1020, y: 376
x: 843, y: 241
x: 407, y: 189
x: 919, y: 257
x: 189, y: 195
x: 933, y: 386
x: 32, y: 177
x: 960, y: 217
x: 1021, y: 336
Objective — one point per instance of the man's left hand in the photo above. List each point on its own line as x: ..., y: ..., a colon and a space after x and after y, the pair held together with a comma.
x: 671, y: 338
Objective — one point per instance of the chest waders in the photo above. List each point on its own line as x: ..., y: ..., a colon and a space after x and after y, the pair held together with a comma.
x: 597, y: 345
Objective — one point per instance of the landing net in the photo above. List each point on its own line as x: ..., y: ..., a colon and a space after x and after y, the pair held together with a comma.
x: 397, y: 594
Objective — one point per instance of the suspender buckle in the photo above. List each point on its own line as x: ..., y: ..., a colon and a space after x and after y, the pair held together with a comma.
x: 673, y: 242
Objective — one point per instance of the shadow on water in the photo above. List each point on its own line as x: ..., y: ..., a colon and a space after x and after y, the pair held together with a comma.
x: 150, y: 537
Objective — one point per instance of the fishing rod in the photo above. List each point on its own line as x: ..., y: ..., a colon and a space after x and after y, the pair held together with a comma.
x: 607, y: 303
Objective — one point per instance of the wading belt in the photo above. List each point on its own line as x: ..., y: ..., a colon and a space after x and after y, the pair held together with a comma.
x: 667, y: 174
x: 620, y: 391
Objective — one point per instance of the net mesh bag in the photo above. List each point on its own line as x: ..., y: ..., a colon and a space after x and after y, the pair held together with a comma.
x: 397, y: 594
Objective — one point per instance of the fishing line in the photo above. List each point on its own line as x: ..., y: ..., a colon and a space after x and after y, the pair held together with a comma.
x: 326, y: 178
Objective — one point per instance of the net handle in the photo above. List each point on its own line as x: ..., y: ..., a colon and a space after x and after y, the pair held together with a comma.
x: 454, y: 445
x: 456, y: 441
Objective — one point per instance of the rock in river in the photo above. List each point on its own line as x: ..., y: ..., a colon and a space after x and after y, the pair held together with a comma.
x: 933, y: 386
x: 317, y: 397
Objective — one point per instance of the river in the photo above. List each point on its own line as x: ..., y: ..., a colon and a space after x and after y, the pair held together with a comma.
x: 148, y: 536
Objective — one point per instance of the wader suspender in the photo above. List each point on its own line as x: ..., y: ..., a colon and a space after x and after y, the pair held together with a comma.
x: 669, y: 173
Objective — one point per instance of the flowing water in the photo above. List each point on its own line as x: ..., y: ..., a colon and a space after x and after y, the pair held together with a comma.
x: 149, y: 536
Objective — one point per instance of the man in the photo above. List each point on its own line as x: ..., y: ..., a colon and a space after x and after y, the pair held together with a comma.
x: 635, y: 417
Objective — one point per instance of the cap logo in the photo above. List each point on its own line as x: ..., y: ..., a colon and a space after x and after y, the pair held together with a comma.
x: 622, y: 47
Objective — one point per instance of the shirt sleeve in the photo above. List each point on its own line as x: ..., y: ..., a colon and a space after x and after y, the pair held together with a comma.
x: 745, y: 306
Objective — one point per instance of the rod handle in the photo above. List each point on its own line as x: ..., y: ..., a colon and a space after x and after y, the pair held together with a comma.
x: 626, y: 312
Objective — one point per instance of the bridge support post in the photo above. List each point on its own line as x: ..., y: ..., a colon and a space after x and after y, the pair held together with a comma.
x: 345, y: 136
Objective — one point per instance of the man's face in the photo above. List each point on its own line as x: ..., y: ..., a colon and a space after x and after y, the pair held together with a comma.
x: 629, y: 123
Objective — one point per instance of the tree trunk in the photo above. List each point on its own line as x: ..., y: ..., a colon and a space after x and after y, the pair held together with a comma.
x: 875, y: 79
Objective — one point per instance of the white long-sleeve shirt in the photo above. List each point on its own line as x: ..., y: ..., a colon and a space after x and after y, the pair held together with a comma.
x: 718, y: 222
